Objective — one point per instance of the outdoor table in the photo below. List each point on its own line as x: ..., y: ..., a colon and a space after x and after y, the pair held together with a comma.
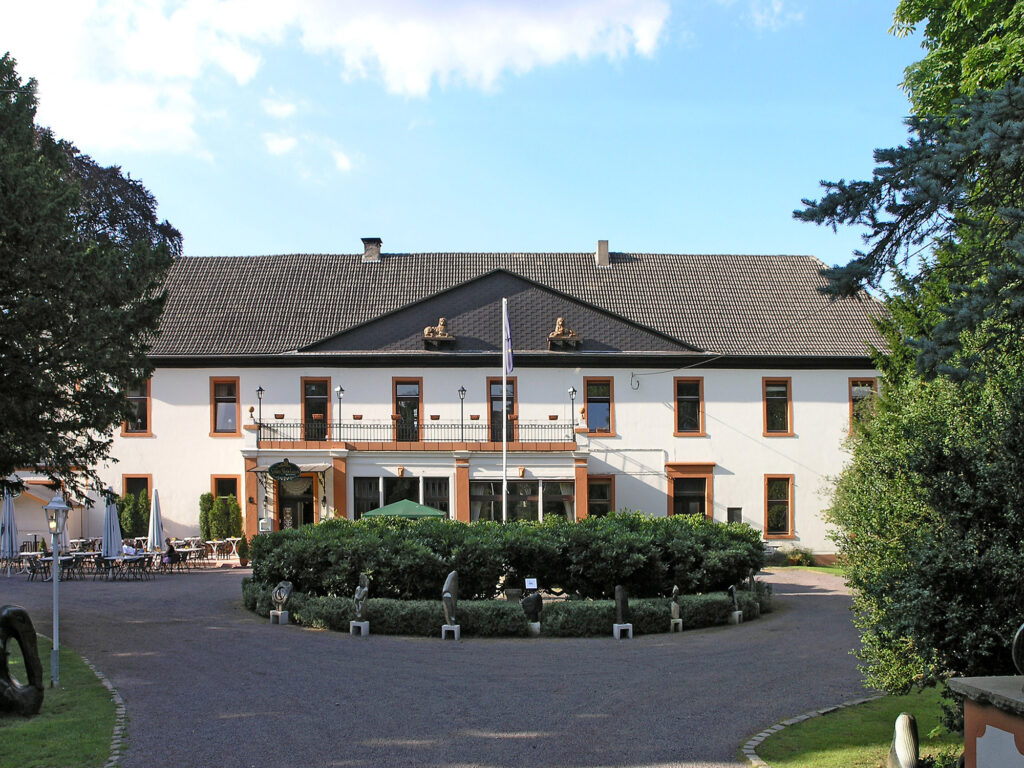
x: 233, y: 540
x: 65, y: 561
x: 215, y: 545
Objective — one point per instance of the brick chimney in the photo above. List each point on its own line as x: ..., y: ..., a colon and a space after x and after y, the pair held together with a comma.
x: 601, y: 256
x: 371, y: 249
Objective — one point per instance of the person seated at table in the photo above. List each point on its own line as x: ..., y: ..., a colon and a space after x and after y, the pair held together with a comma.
x: 128, y: 549
x: 170, y: 556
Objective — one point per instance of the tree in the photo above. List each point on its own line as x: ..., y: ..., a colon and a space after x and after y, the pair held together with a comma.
x: 205, y: 506
x: 972, y: 45
x: 220, y: 519
x: 82, y: 259
x: 235, y: 515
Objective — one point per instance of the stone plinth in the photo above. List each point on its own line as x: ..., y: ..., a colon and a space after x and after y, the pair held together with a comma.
x: 533, y: 628
x: 993, y: 720
x: 279, y: 617
x: 675, y: 625
x: 451, y: 631
x: 618, y: 630
x: 736, y: 617
x: 359, y: 628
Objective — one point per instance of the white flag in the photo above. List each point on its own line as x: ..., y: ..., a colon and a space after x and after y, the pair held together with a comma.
x: 506, y: 337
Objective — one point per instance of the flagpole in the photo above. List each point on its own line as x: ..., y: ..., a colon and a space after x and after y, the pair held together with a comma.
x: 506, y: 343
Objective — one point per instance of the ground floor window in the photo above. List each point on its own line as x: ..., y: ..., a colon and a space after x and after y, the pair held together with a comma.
x: 689, y: 495
x: 527, y: 499
x: 366, y: 495
x: 135, y: 485
x: 600, y: 496
x: 375, y: 492
x: 296, y: 502
x: 435, y: 493
x: 225, y: 486
x: 778, y: 506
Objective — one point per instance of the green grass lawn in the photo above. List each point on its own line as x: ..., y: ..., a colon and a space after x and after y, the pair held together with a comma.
x: 834, y: 570
x: 856, y: 737
x: 75, y: 725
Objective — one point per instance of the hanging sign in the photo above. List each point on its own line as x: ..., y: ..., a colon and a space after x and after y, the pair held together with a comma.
x: 284, y: 470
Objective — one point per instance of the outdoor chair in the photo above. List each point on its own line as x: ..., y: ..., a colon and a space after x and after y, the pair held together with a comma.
x: 102, y: 568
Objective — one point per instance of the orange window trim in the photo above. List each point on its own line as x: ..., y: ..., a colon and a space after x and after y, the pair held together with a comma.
x: 855, y: 380
x: 302, y: 399
x: 515, y: 404
x: 149, y: 415
x: 675, y: 394
x: 791, y: 533
x: 395, y: 381
x: 705, y: 470
x: 238, y: 485
x: 611, y: 405
x: 149, y: 483
x: 214, y: 381
x: 765, y: 381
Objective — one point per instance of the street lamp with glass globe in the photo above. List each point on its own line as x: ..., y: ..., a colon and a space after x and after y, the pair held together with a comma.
x: 57, y: 517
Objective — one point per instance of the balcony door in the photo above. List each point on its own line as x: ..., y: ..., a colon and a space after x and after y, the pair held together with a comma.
x: 496, y: 418
x: 315, y: 398
x: 408, y: 405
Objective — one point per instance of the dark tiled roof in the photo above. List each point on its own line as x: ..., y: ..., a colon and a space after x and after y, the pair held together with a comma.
x: 734, y: 305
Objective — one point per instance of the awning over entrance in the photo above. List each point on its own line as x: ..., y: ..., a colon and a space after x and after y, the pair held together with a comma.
x: 262, y: 468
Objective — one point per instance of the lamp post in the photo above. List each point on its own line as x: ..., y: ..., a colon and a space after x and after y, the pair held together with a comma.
x: 57, y: 515
x: 572, y: 406
x: 462, y: 414
x: 259, y: 396
x: 340, y: 392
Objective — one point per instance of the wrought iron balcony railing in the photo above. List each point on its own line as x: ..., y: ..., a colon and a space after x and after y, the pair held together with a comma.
x: 405, y: 432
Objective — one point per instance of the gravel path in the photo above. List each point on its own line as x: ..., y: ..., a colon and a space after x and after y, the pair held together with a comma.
x: 208, y: 684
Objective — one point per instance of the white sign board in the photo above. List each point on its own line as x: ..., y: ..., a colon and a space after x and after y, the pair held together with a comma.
x: 531, y: 583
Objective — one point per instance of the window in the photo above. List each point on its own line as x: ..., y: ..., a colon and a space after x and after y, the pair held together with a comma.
x: 137, y: 423
x: 734, y: 514
x: 689, y: 407
x: 598, y: 403
x: 527, y: 499
x: 366, y: 495
x: 315, y: 408
x: 399, y: 488
x: 435, y: 493
x: 496, y: 420
x: 224, y: 407
x: 224, y: 485
x: 863, y: 393
x: 778, y: 506
x: 408, y: 394
x: 690, y: 489
x: 778, y: 407
x: 600, y: 496
x: 136, y: 484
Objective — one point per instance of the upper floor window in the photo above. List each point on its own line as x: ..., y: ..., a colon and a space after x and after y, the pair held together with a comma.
x: 408, y: 402
x: 778, y: 407
x: 224, y: 406
x: 689, y: 406
x: 599, y: 408
x: 315, y: 407
x: 139, y: 403
x: 862, y: 397
x: 778, y: 506
x: 496, y: 419
x: 136, y: 485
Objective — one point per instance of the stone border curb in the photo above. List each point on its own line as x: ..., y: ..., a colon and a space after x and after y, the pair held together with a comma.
x: 749, y: 749
x: 118, y: 739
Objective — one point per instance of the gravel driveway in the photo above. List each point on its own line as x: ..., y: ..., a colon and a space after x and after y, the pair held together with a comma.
x: 208, y: 684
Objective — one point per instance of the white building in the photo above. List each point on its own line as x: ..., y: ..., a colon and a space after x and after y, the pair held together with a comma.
x: 715, y: 385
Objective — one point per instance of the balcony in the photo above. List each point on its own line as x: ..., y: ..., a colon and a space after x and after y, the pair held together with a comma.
x: 399, y: 435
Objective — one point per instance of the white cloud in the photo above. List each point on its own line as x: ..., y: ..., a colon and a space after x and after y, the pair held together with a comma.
x: 277, y: 107
x: 126, y: 73
x: 772, y: 14
x: 279, y: 144
x: 342, y: 161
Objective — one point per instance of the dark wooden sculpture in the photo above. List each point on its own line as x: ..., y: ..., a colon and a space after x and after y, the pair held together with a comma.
x: 16, y: 698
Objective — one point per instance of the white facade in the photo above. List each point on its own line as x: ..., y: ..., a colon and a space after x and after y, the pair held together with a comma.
x: 179, y: 454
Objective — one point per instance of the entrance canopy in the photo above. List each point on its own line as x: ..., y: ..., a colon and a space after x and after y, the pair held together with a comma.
x: 405, y: 508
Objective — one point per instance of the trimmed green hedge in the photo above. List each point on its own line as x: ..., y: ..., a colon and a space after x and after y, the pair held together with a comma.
x: 500, y: 618
x: 409, y: 560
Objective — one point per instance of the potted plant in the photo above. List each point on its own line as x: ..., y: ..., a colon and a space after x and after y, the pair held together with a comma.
x: 243, y: 551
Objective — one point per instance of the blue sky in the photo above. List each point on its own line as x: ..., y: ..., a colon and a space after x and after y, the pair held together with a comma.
x: 270, y: 127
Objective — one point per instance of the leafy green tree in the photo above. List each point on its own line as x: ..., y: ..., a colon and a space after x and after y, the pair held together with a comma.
x: 205, y: 507
x: 82, y: 258
x: 125, y: 512
x: 220, y: 519
x: 234, y: 515
x: 972, y: 45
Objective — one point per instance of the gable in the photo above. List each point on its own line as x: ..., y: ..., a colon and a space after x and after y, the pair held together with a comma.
x: 473, y: 314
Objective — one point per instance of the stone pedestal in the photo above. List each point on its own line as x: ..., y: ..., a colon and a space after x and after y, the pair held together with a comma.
x: 993, y: 720
x: 533, y: 628
x: 675, y: 625
x: 736, y: 617
x: 618, y: 630
x: 451, y: 631
x: 359, y: 628
x: 279, y: 617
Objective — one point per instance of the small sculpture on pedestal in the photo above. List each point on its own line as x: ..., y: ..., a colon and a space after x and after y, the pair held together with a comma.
x: 450, y: 601
x: 360, y: 626
x: 563, y: 337
x: 737, y: 614
x: 622, y: 624
x: 675, y: 624
x: 904, y: 750
x: 533, y: 606
x: 280, y: 597
x: 438, y: 336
